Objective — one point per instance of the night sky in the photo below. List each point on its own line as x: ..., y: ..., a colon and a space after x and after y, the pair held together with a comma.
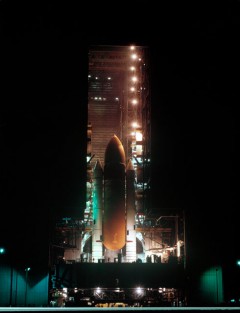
x: 194, y: 60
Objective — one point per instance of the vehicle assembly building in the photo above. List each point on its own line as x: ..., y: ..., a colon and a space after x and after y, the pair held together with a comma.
x: 123, y: 250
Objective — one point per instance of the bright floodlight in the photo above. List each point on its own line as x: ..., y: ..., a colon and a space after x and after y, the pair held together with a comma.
x: 139, y: 290
x: 134, y: 101
x: 134, y: 79
x: 138, y: 136
x: 134, y: 56
x: 132, y: 89
x: 134, y: 124
x: 2, y: 250
x: 132, y: 68
x: 132, y: 48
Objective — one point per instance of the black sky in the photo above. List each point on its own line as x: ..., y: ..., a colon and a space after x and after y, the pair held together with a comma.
x: 194, y: 60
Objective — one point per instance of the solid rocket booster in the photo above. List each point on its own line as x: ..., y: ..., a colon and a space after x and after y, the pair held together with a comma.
x: 131, y: 209
x: 114, y: 220
x: 97, y: 248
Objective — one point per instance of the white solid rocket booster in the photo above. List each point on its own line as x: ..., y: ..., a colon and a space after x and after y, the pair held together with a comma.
x: 131, y: 210
x: 97, y: 247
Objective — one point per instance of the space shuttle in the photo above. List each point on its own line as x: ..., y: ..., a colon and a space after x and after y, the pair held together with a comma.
x: 113, y: 231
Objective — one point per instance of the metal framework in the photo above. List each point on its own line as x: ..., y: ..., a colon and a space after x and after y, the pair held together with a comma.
x: 117, y: 297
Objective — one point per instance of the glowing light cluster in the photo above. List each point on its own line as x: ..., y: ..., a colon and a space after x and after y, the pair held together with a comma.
x: 134, y: 102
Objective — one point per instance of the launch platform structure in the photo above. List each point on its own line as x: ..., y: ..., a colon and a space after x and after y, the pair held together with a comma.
x: 119, y: 119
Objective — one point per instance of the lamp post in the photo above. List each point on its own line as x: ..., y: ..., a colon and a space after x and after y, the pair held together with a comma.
x: 16, y: 287
x: 217, y: 284
x: 3, y: 252
x: 11, y: 284
x: 26, y: 280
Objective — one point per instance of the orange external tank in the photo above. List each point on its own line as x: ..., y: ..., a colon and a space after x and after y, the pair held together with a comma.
x: 114, y: 217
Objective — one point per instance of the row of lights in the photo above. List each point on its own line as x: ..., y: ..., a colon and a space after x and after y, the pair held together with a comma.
x: 136, y: 133
x: 96, y: 77
x: 102, y: 98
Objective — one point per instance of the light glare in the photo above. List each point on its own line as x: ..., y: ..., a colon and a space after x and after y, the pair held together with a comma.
x: 134, y: 56
x: 138, y: 136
